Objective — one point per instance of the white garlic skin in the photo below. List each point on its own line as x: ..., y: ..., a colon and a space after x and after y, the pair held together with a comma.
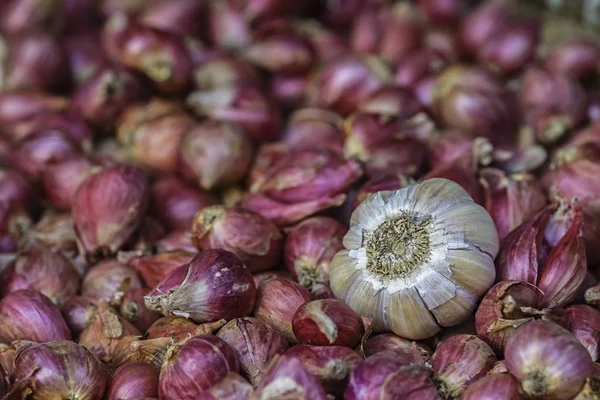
x: 437, y: 273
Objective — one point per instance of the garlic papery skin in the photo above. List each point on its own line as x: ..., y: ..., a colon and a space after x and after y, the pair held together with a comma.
x: 416, y: 259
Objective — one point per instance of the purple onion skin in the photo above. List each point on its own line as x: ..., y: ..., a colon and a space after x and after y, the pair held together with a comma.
x: 388, y: 374
x: 277, y: 300
x: 420, y: 353
x: 330, y: 364
x: 255, y: 344
x: 584, y: 323
x: 103, y: 97
x: 288, y: 379
x: 198, y: 364
x: 61, y: 368
x: 109, y: 206
x: 32, y: 154
x: 45, y: 271
x: 78, y: 313
x: 232, y: 387
x: 134, y: 310
x: 494, y: 387
x: 459, y: 361
x: 133, y: 381
x: 29, y: 315
x: 175, y: 202
x: 214, y: 285
x: 547, y: 360
x: 15, y: 187
x: 247, y: 234
x: 36, y: 61
x: 310, y: 247
x: 105, y: 279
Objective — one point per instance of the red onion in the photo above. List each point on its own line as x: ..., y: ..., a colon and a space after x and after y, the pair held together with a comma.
x: 180, y: 16
x: 557, y: 265
x: 225, y: 72
x: 102, y: 97
x: 419, y: 353
x: 505, y: 307
x: 472, y: 99
x: 289, y: 90
x: 298, y: 182
x: 247, y: 234
x: 18, y: 106
x: 45, y: 271
x: 344, y: 83
x: 277, y: 300
x: 66, y: 123
x: 177, y: 240
x: 15, y: 187
x: 577, y: 57
x: 493, y: 387
x: 102, y: 336
x: 180, y: 328
x: 282, y: 53
x: 36, y: 151
x: 307, y: 126
x: 245, y: 106
x: 327, y: 322
x: 29, y: 315
x: 215, y: 153
x: 584, y: 323
x: 78, y: 313
x: 442, y: 11
x: 331, y: 365
x: 161, y: 56
x: 510, y: 199
x: 14, y: 221
x: 195, y: 366
x: 154, y: 268
x: 459, y: 361
x: 152, y: 132
x: 133, y: 309
x: 35, y: 60
x: 386, y: 375
x: 512, y: 47
x: 553, y: 103
x: 255, y: 344
x: 61, y: 368
x: 82, y: 52
x: 175, y: 202
x: 106, y: 279
x: 62, y: 178
x: 547, y: 360
x: 214, y: 285
x: 231, y: 387
x: 22, y: 16
x: 133, y: 381
x: 108, y: 207
x: 482, y: 24
x: 288, y: 378
x: 392, y: 32
x: 228, y: 29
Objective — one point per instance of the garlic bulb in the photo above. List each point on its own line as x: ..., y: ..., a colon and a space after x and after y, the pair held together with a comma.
x: 417, y: 258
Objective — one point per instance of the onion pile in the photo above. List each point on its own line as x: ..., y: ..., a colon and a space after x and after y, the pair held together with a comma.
x: 268, y: 199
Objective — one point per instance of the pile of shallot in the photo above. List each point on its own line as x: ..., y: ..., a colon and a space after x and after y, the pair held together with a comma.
x: 307, y: 199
